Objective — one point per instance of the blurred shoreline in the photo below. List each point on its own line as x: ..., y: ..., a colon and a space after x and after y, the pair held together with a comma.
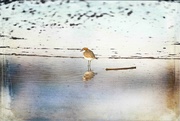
x: 111, y: 57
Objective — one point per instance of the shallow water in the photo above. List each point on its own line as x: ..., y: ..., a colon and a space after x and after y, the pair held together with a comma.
x: 45, y: 89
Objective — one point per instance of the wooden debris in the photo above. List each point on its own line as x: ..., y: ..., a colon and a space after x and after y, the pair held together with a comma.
x: 126, y: 68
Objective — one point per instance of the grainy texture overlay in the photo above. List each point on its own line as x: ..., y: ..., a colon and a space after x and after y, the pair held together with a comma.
x: 134, y: 74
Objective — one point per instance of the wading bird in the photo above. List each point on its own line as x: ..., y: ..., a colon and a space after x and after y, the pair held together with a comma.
x: 88, y: 55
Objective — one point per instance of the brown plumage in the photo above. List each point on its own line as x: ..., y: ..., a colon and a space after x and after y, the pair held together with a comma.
x: 88, y: 55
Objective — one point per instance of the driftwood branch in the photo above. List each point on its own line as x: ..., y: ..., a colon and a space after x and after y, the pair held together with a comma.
x: 108, y: 69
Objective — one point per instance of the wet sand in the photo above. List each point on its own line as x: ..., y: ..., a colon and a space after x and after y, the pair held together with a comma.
x: 48, y: 88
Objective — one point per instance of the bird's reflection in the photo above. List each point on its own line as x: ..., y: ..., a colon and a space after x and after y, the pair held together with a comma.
x: 88, y: 75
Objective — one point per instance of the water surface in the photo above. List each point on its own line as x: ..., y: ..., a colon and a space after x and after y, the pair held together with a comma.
x: 45, y: 88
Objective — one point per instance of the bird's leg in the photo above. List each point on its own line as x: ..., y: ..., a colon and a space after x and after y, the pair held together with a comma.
x: 90, y: 65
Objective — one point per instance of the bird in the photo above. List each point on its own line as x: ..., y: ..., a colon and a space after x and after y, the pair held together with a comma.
x: 88, y: 55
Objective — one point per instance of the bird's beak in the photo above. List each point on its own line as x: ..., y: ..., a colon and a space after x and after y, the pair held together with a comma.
x: 81, y: 50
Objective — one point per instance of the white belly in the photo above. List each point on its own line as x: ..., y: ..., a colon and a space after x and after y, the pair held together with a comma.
x: 88, y: 58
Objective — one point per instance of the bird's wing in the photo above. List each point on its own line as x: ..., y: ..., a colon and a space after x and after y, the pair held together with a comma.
x: 89, y: 54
